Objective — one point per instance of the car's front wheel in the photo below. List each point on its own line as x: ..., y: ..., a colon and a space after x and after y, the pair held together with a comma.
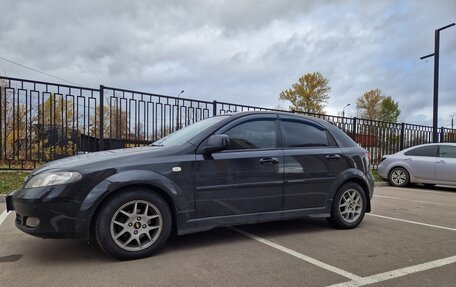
x: 399, y: 177
x: 133, y: 224
x: 349, y: 206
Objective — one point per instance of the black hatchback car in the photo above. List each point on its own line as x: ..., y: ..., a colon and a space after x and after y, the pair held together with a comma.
x: 231, y: 169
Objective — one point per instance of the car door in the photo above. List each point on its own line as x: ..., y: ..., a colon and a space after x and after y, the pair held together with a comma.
x: 245, y: 178
x: 446, y: 165
x: 421, y: 163
x: 312, y: 162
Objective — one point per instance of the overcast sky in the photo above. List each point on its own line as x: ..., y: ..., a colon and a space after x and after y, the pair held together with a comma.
x: 239, y: 51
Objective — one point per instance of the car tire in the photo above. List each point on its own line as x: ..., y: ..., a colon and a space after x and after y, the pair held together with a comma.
x: 349, y: 206
x: 399, y: 177
x: 133, y: 224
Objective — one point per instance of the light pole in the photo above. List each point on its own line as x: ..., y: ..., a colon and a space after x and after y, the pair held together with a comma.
x: 178, y: 110
x: 343, y: 110
x: 435, y: 137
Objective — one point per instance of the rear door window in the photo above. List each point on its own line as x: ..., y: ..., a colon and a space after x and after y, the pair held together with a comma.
x: 430, y: 151
x: 447, y: 151
x: 303, y: 134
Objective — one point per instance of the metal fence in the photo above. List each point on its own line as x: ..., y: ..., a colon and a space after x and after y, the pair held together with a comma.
x: 41, y: 121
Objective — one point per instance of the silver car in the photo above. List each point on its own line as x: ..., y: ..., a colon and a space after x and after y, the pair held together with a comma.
x: 429, y: 164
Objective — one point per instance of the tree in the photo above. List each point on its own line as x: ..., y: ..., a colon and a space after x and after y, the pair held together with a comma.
x: 116, y: 123
x: 370, y: 104
x: 376, y: 106
x: 389, y: 110
x: 309, y: 94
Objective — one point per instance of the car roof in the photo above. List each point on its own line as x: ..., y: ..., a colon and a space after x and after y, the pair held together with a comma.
x: 282, y: 113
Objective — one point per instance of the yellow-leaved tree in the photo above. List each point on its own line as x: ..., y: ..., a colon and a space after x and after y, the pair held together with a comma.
x: 310, y: 94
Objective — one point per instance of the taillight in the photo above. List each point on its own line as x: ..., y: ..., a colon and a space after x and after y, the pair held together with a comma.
x: 382, y: 159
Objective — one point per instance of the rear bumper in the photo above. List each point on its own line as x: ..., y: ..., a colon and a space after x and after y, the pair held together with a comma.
x: 40, y: 214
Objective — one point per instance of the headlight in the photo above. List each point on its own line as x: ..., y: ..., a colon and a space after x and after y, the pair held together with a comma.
x: 54, y: 178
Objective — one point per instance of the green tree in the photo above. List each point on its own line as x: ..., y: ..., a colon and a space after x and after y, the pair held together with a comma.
x: 310, y: 94
x: 389, y: 110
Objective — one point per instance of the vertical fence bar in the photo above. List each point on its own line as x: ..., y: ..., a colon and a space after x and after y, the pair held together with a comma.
x: 101, y: 127
x: 214, y: 108
x: 401, y: 147
x: 354, y: 128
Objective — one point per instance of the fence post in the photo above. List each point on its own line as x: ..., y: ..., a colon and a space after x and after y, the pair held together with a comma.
x: 214, y: 108
x: 401, y: 147
x: 442, y: 134
x: 354, y: 129
x: 101, y: 128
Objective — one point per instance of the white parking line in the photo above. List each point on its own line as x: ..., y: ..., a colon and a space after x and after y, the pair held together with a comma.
x: 397, y: 273
x: 3, y: 216
x: 412, y: 222
x: 301, y: 256
x: 413, y: 200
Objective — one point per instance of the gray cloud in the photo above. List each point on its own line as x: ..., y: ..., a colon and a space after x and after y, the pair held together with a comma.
x: 240, y: 51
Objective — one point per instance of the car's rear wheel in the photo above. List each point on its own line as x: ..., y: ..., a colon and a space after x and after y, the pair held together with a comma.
x: 349, y: 206
x: 133, y: 224
x: 399, y: 177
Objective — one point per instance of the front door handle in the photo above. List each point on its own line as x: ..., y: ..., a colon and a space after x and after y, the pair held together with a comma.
x: 269, y: 160
x: 441, y: 161
x: 333, y: 156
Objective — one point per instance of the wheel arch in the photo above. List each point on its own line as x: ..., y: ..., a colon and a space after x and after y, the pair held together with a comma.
x: 365, y: 188
x: 152, y: 188
x: 111, y: 186
x: 356, y: 176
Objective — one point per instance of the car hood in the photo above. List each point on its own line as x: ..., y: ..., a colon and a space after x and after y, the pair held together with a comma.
x: 106, y: 159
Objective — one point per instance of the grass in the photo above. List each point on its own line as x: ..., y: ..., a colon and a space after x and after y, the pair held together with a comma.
x: 377, y: 178
x: 11, y: 180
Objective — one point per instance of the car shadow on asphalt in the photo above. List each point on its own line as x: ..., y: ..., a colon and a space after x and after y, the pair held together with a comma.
x: 228, y: 235
x: 77, y: 251
x: 433, y: 188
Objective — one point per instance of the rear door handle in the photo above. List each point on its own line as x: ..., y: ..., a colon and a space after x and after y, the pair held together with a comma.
x: 333, y: 156
x: 269, y: 160
x: 441, y: 161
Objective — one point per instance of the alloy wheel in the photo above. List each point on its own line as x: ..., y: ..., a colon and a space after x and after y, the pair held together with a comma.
x: 136, y: 225
x: 398, y: 177
x: 351, y: 205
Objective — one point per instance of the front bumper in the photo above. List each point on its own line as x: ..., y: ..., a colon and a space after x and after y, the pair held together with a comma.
x: 52, y: 216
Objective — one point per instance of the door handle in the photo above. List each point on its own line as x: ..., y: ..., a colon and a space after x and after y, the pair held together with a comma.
x: 441, y: 161
x: 333, y: 156
x: 269, y: 160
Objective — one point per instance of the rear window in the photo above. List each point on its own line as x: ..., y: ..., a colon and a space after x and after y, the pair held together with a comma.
x: 430, y: 151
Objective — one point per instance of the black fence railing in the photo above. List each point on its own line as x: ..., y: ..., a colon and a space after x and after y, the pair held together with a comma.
x: 41, y: 121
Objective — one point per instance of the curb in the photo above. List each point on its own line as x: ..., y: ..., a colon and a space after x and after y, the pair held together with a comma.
x: 2, y: 198
x: 381, y: 184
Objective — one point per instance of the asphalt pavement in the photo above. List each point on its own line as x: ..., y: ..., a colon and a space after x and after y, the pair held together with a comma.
x: 409, y: 239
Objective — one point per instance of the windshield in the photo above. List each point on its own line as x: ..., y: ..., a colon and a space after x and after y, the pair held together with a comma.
x: 183, y: 135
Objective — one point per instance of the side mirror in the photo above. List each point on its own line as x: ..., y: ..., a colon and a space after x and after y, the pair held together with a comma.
x: 216, y: 143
